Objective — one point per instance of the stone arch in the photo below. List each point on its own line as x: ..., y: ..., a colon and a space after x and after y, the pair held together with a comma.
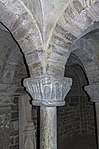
x: 27, y: 27
x: 12, y: 71
x: 77, y: 105
x: 78, y: 76
x: 70, y: 27
x: 16, y: 18
x: 11, y: 58
x: 83, y: 49
x: 75, y: 66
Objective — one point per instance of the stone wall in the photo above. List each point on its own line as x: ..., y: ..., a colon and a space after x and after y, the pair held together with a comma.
x: 87, y: 114
x: 5, y: 130
x: 77, y: 116
x: 14, y: 137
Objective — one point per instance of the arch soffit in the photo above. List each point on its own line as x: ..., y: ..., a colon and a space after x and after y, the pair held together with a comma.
x: 10, y: 57
x: 83, y: 49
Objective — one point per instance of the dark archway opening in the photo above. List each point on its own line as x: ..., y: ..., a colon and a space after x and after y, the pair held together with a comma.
x: 13, y: 69
x: 76, y: 120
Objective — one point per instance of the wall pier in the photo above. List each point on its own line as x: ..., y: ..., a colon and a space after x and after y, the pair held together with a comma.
x: 93, y: 92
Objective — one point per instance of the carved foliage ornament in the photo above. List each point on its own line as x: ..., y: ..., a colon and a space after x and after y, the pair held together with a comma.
x: 48, y: 91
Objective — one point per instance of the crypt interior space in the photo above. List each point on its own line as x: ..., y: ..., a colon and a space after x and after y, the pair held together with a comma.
x: 49, y: 74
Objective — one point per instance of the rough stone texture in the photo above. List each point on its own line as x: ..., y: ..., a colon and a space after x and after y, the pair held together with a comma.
x: 35, y: 28
x: 25, y: 123
x: 48, y: 91
x: 6, y: 91
x: 6, y: 101
x: 48, y: 128
x: 77, y: 116
x: 10, y: 58
x: 46, y: 31
x: 97, y: 120
x: 93, y: 91
x: 80, y: 142
x: 84, y: 49
x: 5, y: 129
x: 14, y: 135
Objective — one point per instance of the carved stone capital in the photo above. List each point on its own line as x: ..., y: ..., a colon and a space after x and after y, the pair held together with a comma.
x: 93, y: 92
x: 47, y: 90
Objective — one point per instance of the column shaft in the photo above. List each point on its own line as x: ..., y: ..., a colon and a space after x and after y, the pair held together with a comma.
x: 48, y: 128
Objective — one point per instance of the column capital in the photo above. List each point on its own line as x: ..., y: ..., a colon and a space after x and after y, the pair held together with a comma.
x: 93, y: 91
x: 47, y: 90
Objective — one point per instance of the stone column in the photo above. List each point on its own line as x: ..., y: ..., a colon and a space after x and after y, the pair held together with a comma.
x: 93, y: 92
x: 48, y: 92
x: 48, y: 128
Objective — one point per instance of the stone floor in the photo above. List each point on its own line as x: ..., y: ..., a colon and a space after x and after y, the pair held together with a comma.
x: 80, y: 142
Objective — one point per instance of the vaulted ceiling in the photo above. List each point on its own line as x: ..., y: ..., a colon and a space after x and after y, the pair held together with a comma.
x: 46, y: 30
x: 11, y: 60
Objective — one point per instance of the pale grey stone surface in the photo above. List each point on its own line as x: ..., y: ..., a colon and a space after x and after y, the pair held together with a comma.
x: 35, y: 28
x: 6, y: 92
x: 6, y: 95
x: 84, y: 49
x: 49, y: 28
x: 48, y: 91
x: 97, y: 120
x: 93, y: 92
x: 48, y: 128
